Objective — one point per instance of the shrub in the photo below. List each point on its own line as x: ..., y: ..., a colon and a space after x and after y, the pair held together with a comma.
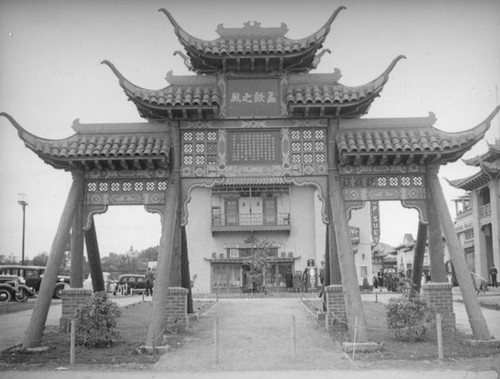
x: 410, y: 317
x: 96, y: 322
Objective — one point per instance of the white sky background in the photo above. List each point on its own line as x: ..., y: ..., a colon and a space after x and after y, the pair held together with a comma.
x: 50, y: 74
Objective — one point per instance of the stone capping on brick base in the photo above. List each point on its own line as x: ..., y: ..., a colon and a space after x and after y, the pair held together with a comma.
x: 72, y: 299
x: 176, y: 316
x: 335, y: 306
x: 440, y: 297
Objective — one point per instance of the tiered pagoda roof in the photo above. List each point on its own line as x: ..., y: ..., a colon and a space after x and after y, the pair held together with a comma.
x: 252, y: 48
x: 305, y: 95
x: 489, y: 164
x: 103, y: 146
x: 404, y: 141
x: 244, y: 53
x: 255, y: 52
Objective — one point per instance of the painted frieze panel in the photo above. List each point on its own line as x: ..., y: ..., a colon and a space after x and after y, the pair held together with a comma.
x: 254, y: 147
x: 383, y: 187
x: 125, y: 191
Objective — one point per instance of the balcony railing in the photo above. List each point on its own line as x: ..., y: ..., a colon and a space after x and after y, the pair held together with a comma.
x: 254, y: 221
x: 485, y: 210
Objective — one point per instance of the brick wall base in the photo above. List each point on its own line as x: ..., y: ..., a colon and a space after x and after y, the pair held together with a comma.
x: 176, y: 315
x: 335, y: 307
x: 72, y: 299
x: 440, y: 298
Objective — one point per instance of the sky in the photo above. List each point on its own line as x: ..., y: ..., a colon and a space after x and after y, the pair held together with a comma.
x: 50, y: 75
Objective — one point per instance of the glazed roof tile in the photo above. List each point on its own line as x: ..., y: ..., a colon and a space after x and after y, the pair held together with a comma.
x: 311, y: 89
x: 102, y: 143
x: 251, y: 39
x: 372, y: 137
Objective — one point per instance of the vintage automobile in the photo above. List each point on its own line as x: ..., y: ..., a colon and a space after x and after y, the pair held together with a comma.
x: 13, y: 287
x: 108, y: 282
x: 33, y: 277
x: 129, y: 283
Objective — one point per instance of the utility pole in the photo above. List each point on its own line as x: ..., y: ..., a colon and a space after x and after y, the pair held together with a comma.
x: 22, y: 200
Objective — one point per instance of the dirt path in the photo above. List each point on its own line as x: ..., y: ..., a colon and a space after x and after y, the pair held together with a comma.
x: 255, y: 334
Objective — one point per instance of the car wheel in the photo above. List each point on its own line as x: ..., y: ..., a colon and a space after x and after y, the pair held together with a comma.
x: 21, y: 296
x: 5, y: 295
x: 58, y: 290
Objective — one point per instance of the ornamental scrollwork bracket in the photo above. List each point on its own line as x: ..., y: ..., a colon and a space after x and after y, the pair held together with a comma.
x: 420, y: 206
x: 353, y: 205
x: 88, y: 213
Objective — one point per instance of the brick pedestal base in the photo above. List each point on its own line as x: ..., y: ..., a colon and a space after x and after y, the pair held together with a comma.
x: 72, y: 299
x: 176, y: 316
x: 440, y: 298
x: 335, y: 306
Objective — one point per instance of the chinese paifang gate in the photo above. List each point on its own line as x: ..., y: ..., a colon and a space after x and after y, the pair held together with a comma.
x: 256, y: 143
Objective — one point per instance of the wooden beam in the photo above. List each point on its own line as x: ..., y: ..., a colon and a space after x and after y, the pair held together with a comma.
x: 137, y: 164
x: 350, y: 285
x: 476, y: 318
x: 418, y: 258
x: 33, y: 336
x: 76, y: 271
x: 342, y: 242
x: 436, y: 248
x: 155, y: 332
x: 185, y: 273
x: 94, y: 258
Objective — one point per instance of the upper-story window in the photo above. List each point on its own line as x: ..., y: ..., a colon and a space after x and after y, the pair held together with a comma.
x: 250, y: 207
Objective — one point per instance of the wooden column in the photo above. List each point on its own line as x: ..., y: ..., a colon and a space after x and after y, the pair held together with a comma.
x: 335, y: 275
x: 175, y: 271
x: 76, y: 272
x: 186, y: 275
x: 436, y: 248
x: 166, y: 249
x: 326, y: 280
x: 94, y: 258
x: 418, y: 258
x: 352, y: 294
x: 36, y: 325
x: 476, y: 318
x: 334, y: 266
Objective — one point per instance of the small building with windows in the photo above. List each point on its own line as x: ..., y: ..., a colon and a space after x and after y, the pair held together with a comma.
x: 478, y: 212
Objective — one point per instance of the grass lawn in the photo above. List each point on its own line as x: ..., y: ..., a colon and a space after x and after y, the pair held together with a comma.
x: 454, y: 342
x: 125, y: 353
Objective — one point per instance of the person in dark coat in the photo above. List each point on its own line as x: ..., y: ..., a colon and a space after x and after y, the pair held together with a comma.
x: 150, y: 278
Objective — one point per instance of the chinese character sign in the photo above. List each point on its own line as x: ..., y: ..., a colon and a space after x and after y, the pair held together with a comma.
x: 254, y: 147
x: 375, y: 221
x: 253, y: 97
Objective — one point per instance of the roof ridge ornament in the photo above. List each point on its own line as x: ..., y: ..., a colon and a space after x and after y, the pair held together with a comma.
x: 187, y: 61
x: 249, y: 30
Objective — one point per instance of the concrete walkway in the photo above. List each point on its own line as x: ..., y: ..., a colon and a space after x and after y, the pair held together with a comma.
x: 257, y: 331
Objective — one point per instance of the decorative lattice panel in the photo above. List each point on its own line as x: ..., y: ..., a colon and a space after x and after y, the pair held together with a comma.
x: 308, y: 146
x: 383, y: 187
x: 199, y: 147
x: 125, y: 191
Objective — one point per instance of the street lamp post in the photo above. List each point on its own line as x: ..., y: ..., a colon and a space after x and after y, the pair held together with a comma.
x: 22, y: 200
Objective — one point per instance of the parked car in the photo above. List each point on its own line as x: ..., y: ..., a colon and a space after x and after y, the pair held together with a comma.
x: 33, y: 276
x: 130, y: 283
x: 87, y: 284
x: 13, y: 287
